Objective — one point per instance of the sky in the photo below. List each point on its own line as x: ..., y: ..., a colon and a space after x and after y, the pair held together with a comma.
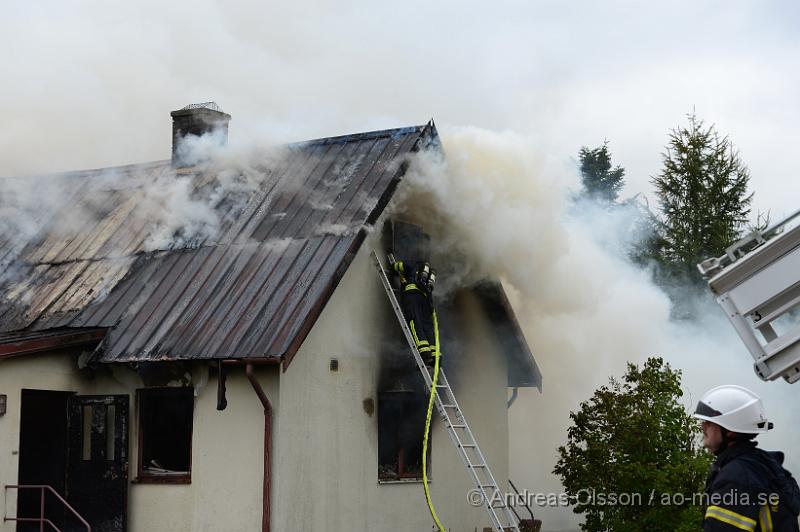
x: 90, y: 84
x: 522, y: 85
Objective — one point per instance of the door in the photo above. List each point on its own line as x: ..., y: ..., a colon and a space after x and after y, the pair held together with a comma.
x: 42, y: 459
x: 97, y: 464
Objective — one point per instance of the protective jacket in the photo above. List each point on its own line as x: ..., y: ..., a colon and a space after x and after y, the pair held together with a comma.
x: 748, y: 489
x: 417, y: 308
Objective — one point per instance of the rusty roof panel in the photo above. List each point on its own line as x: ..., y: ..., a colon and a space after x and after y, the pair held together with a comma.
x: 251, y: 290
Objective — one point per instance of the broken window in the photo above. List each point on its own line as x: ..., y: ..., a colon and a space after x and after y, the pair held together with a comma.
x: 401, y: 427
x: 165, y: 434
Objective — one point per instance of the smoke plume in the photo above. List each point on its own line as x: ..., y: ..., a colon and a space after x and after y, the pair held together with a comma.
x: 504, y: 211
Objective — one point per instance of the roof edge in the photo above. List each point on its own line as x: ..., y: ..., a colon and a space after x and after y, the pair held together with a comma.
x: 27, y: 342
x: 366, y: 135
x: 298, y: 144
x: 493, y: 297
x: 428, y: 135
x: 316, y: 311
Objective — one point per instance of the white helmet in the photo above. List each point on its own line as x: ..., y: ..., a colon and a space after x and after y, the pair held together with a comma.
x: 735, y: 408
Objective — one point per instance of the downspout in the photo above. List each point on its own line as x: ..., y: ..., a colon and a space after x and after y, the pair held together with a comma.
x: 513, y: 398
x: 267, y: 444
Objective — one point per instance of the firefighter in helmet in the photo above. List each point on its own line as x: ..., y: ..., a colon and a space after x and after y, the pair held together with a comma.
x: 747, y: 487
x: 416, y: 286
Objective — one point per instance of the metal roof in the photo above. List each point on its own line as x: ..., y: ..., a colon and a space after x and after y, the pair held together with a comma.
x: 252, y: 291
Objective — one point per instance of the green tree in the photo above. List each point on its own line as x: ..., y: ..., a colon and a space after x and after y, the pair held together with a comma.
x: 600, y: 180
x: 702, y: 192
x: 647, y: 244
x: 634, y: 437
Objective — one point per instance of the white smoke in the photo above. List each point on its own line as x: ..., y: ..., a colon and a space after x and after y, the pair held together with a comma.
x: 504, y: 210
x: 177, y: 207
x: 189, y: 207
x: 30, y: 204
x: 180, y: 218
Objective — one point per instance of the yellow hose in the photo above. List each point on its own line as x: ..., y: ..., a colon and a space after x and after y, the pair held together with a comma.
x: 428, y: 427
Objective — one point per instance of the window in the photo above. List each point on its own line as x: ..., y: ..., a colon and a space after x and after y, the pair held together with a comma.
x: 401, y: 427
x: 165, y: 434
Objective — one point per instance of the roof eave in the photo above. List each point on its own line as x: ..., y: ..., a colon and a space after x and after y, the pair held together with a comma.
x: 524, y: 372
x: 50, y: 341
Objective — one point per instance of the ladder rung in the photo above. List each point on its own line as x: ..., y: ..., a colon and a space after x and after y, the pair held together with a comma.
x: 449, y: 406
x: 468, y: 445
x: 457, y: 426
x: 477, y: 465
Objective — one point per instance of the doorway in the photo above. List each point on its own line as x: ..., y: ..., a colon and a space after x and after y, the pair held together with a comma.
x: 78, y: 445
x: 42, y: 453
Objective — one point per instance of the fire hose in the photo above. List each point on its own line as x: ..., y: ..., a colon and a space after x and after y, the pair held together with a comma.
x: 428, y: 426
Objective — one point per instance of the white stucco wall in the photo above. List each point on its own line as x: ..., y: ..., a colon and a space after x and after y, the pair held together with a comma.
x: 227, y: 447
x: 327, y: 445
x: 227, y: 465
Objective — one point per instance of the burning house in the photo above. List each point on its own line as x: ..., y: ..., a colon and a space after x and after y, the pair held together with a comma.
x: 243, y: 371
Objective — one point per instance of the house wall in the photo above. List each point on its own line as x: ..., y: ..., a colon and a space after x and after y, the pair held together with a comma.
x: 227, y: 447
x: 326, y: 446
x: 227, y: 465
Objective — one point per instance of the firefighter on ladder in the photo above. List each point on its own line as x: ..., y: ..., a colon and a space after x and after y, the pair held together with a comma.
x: 416, y: 286
x: 416, y: 300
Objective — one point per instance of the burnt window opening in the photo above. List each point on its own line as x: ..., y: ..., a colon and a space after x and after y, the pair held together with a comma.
x: 401, y: 428
x: 165, y: 434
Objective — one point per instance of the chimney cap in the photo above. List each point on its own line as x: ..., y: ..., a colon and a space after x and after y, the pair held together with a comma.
x: 200, y: 107
x: 204, y: 105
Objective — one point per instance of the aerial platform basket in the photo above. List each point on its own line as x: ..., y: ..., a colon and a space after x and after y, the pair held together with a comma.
x: 757, y: 283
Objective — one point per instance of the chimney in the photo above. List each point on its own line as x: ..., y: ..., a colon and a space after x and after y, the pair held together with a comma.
x: 198, y: 119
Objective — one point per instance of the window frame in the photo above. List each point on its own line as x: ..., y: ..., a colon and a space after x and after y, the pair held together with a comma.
x: 143, y: 477
x: 403, y: 477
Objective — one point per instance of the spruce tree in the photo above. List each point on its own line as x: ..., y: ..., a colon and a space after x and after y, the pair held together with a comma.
x: 702, y: 191
x: 600, y: 180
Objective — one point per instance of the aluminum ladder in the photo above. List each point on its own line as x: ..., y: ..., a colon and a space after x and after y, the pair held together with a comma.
x: 757, y: 284
x: 494, y: 501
